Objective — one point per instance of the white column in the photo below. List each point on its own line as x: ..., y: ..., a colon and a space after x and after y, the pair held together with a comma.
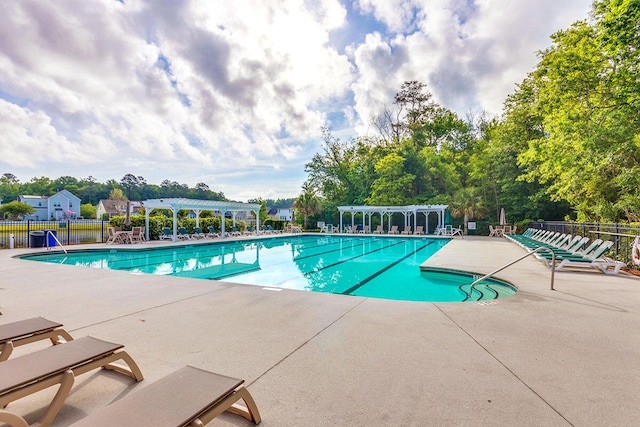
x: 146, y: 223
x: 175, y: 224
x: 257, y: 220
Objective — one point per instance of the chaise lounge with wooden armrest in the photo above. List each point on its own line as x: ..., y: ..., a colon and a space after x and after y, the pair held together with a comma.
x: 58, y: 365
x: 187, y: 397
x: 27, y: 331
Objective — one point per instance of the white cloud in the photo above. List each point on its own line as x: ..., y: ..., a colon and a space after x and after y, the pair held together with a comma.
x: 216, y: 91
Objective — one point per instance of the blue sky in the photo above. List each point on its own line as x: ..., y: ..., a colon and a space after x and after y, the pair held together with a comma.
x: 234, y: 93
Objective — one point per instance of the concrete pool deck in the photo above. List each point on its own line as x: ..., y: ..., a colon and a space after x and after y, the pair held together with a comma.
x: 539, y: 358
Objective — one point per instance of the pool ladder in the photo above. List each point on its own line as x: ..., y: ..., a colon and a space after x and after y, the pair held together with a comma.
x: 539, y: 249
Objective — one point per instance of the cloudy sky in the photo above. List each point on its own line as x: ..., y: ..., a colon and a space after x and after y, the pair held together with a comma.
x: 234, y: 93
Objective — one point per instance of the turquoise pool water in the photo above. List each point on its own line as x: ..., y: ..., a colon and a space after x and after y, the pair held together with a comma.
x: 380, y: 267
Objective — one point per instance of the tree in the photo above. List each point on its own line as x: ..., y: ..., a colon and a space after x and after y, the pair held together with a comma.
x: 87, y: 211
x: 585, y: 89
x: 90, y: 182
x: 467, y: 204
x: 307, y: 203
x: 393, y: 186
x: 413, y: 108
x: 16, y: 210
x: 202, y: 188
x: 129, y: 181
x: 341, y: 172
x: 117, y: 194
x: 10, y: 178
x: 9, y: 187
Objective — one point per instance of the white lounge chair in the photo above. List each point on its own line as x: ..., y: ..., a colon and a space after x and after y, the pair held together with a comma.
x: 594, y: 258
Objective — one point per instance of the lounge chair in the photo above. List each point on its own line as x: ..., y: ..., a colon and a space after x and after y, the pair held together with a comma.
x: 378, y: 230
x: 166, y: 234
x: 183, y: 233
x: 57, y: 365
x: 274, y: 231
x: 27, y: 331
x: 201, y: 397
x: 198, y: 234
x: 394, y: 229
x: 235, y: 232
x: 187, y: 397
x: 594, y: 259
x: 212, y: 232
x: 419, y: 230
x: 407, y: 230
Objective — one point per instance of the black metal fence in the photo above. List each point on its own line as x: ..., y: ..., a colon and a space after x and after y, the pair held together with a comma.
x: 622, y: 235
x: 24, y: 234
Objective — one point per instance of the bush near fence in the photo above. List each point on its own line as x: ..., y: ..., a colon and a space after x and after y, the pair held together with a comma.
x: 156, y: 223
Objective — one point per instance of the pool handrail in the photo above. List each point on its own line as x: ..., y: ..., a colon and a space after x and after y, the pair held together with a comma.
x: 50, y: 233
x: 541, y: 248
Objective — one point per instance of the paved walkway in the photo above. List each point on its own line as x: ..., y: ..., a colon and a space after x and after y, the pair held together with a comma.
x: 539, y: 358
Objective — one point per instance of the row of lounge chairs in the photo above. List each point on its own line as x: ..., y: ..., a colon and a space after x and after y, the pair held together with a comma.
x: 183, y: 234
x: 570, y: 251
x: 365, y: 229
x: 189, y: 396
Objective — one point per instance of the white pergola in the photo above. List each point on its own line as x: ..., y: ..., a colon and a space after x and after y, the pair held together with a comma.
x: 197, y: 206
x: 407, y: 211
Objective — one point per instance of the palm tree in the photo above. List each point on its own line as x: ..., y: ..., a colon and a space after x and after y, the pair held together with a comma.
x: 466, y: 203
x: 307, y: 203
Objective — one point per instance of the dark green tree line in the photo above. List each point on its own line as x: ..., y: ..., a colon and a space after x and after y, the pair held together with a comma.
x: 91, y: 191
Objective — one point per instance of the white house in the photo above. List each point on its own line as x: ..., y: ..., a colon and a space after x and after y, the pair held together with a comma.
x: 282, y: 214
x: 62, y: 205
x: 110, y: 208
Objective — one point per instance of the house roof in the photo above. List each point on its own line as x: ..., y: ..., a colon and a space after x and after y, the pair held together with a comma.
x: 114, y: 206
x: 34, y: 197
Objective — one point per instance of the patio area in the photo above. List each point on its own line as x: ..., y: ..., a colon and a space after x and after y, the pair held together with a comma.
x: 567, y: 357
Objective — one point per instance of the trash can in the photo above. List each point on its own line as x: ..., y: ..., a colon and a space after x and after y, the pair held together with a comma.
x: 36, y: 239
x: 50, y: 238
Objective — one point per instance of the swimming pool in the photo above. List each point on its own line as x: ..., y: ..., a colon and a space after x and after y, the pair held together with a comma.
x: 380, y: 267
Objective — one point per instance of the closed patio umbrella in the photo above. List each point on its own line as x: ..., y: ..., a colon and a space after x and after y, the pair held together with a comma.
x: 127, y: 220
x: 503, y: 220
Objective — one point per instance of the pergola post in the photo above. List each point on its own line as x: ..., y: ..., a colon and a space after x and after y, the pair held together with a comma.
x: 257, y: 213
x: 175, y: 224
x: 146, y: 224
